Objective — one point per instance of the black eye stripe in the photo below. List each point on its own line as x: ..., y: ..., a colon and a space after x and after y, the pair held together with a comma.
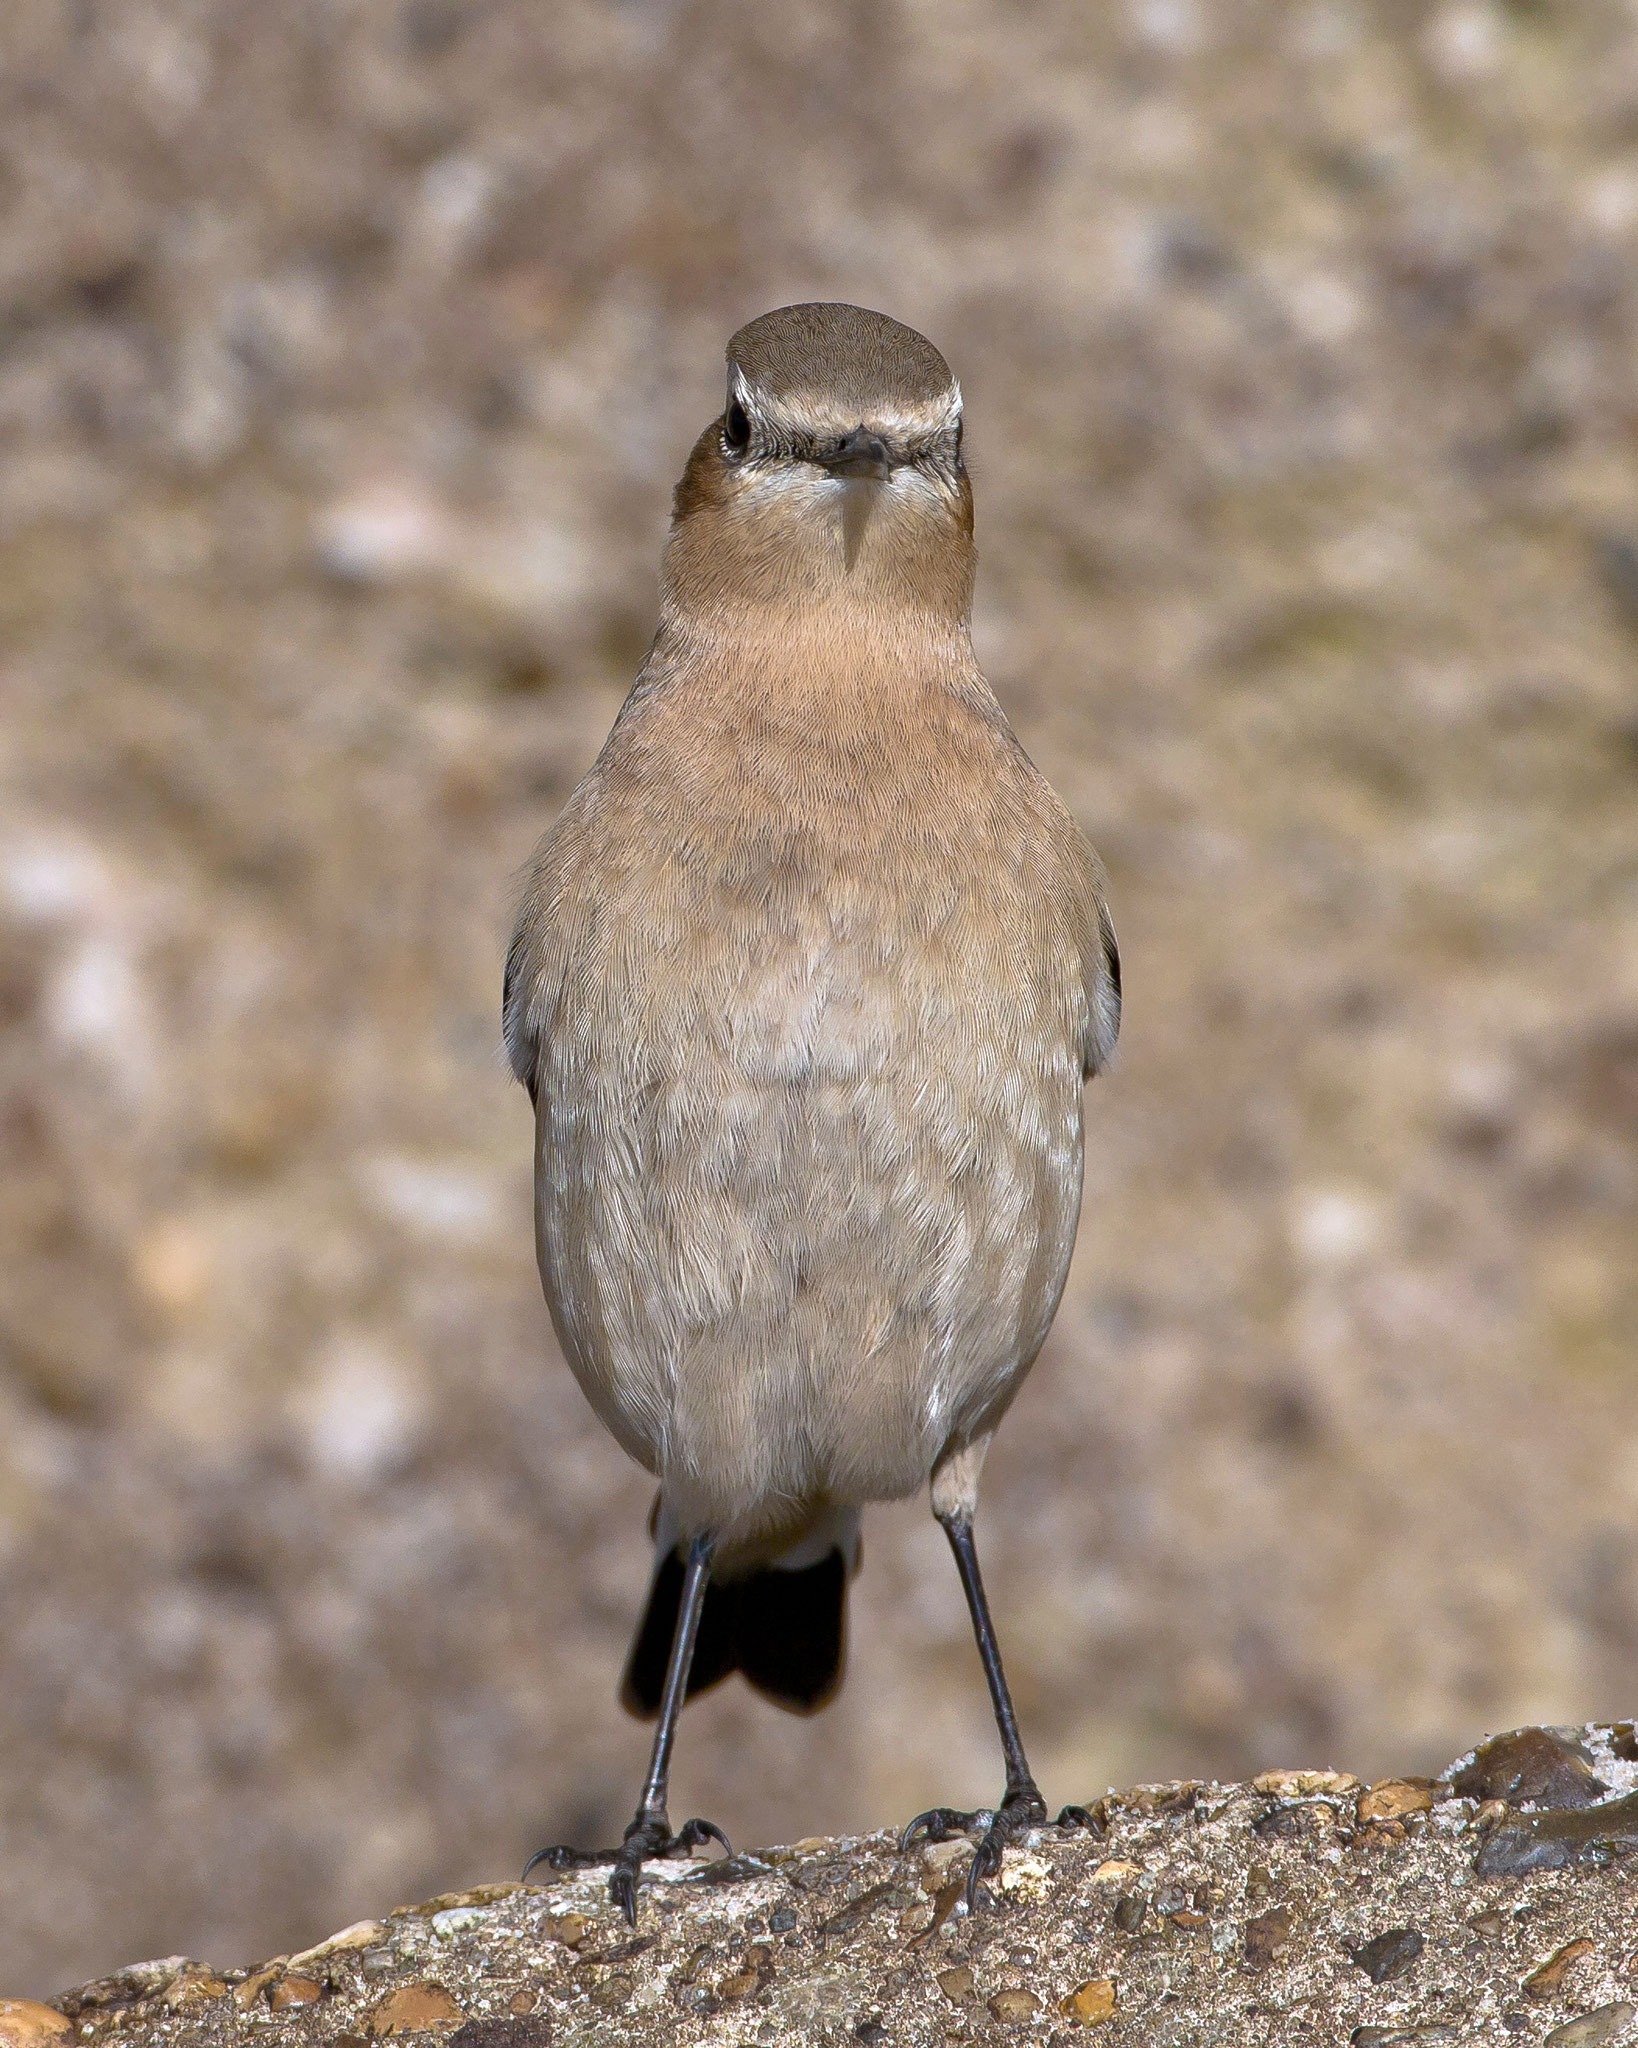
x: 778, y: 440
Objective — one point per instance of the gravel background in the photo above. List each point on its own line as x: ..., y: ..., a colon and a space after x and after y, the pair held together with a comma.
x: 348, y: 351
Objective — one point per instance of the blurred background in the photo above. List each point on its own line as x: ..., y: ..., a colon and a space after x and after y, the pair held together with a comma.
x: 348, y: 352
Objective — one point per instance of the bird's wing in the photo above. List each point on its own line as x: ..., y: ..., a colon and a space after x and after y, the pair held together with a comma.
x: 1094, y: 936
x: 542, y: 942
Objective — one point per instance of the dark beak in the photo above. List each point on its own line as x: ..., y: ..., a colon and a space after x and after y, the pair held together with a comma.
x: 860, y: 453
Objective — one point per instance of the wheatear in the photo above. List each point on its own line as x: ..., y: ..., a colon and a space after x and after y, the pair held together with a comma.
x: 805, y: 985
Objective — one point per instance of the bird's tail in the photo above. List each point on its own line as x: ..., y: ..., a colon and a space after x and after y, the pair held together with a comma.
x: 784, y: 1626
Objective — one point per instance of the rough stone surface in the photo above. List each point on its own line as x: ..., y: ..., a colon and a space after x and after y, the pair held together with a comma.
x: 849, y: 1941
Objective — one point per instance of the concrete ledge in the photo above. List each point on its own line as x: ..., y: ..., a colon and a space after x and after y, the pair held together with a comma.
x: 1498, y: 1903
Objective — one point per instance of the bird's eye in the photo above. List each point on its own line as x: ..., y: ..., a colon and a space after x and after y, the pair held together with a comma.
x: 736, y: 429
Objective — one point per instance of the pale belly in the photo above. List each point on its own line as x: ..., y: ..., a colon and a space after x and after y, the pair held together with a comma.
x: 805, y: 1204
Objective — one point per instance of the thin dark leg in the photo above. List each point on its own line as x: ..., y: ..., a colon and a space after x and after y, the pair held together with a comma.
x: 695, y: 1580
x: 650, y: 1831
x: 1022, y: 1806
x: 1020, y: 1784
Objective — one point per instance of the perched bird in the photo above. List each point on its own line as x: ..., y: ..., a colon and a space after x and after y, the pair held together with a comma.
x: 805, y: 984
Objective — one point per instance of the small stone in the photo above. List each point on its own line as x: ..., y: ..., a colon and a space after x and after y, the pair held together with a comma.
x: 781, y: 1920
x: 1624, y: 1741
x: 1310, y: 1820
x: 740, y: 1985
x: 1393, y: 1798
x: 291, y: 1991
x: 870, y: 2032
x: 1306, y: 1784
x: 1389, y: 1954
x: 25, y: 2023
x: 613, y: 1991
x: 1012, y: 2008
x: 1129, y: 1912
x: 1553, y: 1839
x: 361, y: 1934
x: 944, y: 1904
x: 1400, y: 2037
x: 474, y: 1895
x: 1266, y: 1936
x: 1593, y: 2029
x: 193, y: 1989
x: 1490, y: 1923
x: 1547, y: 1980
x: 522, y: 2001
x: 1089, y: 2004
x: 1114, y: 1871
x: 569, y: 1929
x: 136, y: 1980
x: 1189, y: 1921
x: 1531, y: 1767
x: 956, y: 1984
x: 411, y: 2008
x: 246, y: 1994
x: 938, y: 1856
x: 1159, y: 1802
x: 455, y: 1920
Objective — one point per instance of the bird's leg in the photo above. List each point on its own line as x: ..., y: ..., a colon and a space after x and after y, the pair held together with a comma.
x: 1022, y: 1806
x: 650, y: 1831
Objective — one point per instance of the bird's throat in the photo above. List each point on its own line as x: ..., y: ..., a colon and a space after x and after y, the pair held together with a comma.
x: 859, y: 495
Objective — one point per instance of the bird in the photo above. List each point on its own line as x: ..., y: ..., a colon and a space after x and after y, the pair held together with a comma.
x: 805, y: 984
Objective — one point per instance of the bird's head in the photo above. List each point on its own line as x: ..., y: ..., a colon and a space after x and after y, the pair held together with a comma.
x: 834, y: 472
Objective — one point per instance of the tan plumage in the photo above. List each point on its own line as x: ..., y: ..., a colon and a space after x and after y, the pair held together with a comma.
x: 807, y: 978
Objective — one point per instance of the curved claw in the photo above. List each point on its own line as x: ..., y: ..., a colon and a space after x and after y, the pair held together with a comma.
x: 1079, y: 1817
x: 693, y: 1834
x: 986, y: 1862
x: 623, y: 1891
x: 940, y: 1823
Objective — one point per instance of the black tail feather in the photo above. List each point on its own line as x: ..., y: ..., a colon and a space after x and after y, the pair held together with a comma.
x: 785, y: 1630
x: 791, y: 1640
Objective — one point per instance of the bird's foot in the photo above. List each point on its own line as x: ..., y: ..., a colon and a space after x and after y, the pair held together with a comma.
x: 650, y: 1835
x: 1023, y: 1808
